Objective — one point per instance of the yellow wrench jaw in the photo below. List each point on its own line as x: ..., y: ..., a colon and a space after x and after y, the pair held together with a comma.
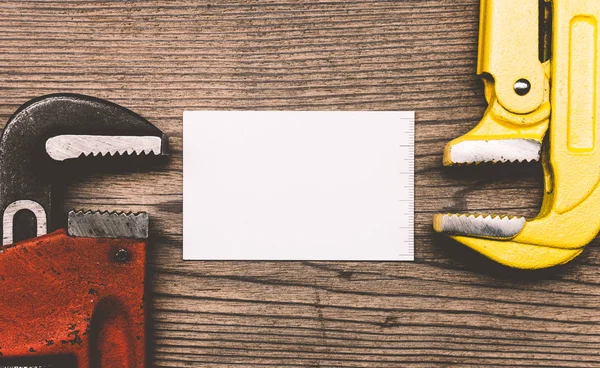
x: 501, y: 137
x: 551, y: 239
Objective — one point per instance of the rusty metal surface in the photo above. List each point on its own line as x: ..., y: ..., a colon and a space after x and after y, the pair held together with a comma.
x: 64, y: 296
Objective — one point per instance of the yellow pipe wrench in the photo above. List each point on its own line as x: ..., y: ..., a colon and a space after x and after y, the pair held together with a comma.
x: 540, y: 63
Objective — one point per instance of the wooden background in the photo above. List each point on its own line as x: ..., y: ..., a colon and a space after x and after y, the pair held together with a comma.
x: 450, y: 308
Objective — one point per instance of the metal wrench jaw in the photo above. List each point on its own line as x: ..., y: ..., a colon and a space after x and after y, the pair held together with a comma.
x: 513, y: 240
x: 546, y: 241
x: 505, y: 137
x: 501, y: 136
x: 556, y: 236
x: 62, y: 127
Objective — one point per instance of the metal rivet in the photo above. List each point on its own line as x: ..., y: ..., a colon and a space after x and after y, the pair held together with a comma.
x: 121, y: 255
x: 522, y: 87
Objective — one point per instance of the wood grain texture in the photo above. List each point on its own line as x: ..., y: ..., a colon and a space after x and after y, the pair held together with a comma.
x: 450, y: 308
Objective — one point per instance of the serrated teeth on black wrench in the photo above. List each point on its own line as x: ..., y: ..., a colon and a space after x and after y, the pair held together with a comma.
x: 64, y: 147
x: 108, y: 224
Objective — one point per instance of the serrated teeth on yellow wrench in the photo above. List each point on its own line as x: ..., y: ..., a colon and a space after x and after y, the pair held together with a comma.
x: 495, y: 151
x: 485, y: 226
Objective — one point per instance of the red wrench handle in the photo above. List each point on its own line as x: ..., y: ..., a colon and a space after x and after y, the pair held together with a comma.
x: 83, y: 297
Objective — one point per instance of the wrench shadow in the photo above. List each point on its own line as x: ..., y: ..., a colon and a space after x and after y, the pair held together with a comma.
x: 475, y: 262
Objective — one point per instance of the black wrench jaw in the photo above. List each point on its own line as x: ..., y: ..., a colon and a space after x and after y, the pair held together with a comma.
x: 27, y: 171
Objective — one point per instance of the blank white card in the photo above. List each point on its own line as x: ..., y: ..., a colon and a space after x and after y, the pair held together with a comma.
x: 298, y: 185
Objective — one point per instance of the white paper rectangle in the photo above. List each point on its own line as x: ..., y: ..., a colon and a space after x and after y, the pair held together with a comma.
x: 298, y: 185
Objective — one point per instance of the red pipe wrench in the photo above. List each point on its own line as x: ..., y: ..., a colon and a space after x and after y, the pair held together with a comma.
x: 73, y: 297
